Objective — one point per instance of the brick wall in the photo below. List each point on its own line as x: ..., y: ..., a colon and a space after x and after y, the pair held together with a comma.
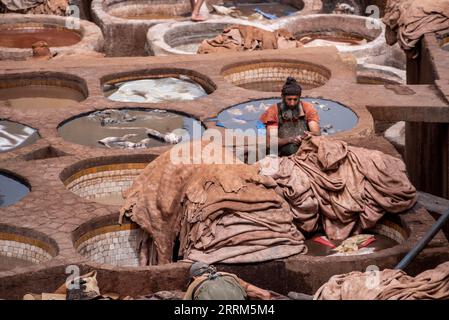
x: 392, y: 231
x: 114, y: 245
x: 103, y: 181
x: 275, y: 73
x: 25, y: 248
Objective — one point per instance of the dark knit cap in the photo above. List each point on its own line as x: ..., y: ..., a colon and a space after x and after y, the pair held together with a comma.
x: 291, y: 87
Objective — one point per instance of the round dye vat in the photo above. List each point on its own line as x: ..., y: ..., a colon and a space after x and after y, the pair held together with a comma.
x: 11, y: 189
x: 23, y: 248
x: 127, y: 128
x: 270, y: 10
x: 14, y: 135
x: 147, y: 10
x: 381, y: 243
x: 185, y: 37
x: 270, y: 75
x: 105, y: 183
x: 155, y: 90
x: 42, y: 97
x: 23, y: 36
x: 334, y: 117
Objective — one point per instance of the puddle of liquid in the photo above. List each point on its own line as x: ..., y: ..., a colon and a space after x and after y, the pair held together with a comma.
x: 334, y: 117
x: 382, y: 242
x: 44, y: 98
x: 89, y: 130
x: 155, y: 90
x: 317, y: 40
x: 23, y: 38
x: 11, y: 190
x: 272, y: 8
x: 14, y: 135
x: 8, y: 263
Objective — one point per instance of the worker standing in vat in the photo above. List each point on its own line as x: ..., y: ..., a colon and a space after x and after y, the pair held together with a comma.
x: 208, y: 284
x: 290, y: 119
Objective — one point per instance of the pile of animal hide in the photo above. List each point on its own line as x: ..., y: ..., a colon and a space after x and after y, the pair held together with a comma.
x: 387, y: 285
x: 240, y: 214
x: 408, y: 20
x: 340, y: 188
x: 55, y: 7
x: 248, y: 38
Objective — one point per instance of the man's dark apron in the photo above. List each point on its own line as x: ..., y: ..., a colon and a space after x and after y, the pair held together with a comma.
x: 292, y: 123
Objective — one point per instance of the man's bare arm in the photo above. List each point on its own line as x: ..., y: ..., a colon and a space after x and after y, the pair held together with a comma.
x: 314, y: 128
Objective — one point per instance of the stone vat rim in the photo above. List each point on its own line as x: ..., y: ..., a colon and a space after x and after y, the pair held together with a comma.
x: 97, y: 161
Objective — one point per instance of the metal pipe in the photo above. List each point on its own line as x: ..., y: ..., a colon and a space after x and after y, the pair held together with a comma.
x: 424, y: 241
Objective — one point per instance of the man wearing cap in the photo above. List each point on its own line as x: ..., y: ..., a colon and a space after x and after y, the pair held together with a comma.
x: 290, y: 119
x: 208, y: 284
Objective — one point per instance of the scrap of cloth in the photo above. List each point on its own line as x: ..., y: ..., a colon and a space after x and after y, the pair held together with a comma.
x: 248, y: 38
x: 408, y: 20
x: 56, y: 7
x: 342, y: 188
x: 221, y: 213
x: 387, y: 284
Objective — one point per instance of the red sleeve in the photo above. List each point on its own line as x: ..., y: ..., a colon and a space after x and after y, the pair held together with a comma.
x: 310, y: 112
x: 270, y: 116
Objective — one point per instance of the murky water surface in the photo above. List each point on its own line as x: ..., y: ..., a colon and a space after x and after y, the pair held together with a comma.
x: 11, y: 190
x: 334, y: 117
x: 44, y: 98
x: 23, y: 38
x: 131, y: 125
